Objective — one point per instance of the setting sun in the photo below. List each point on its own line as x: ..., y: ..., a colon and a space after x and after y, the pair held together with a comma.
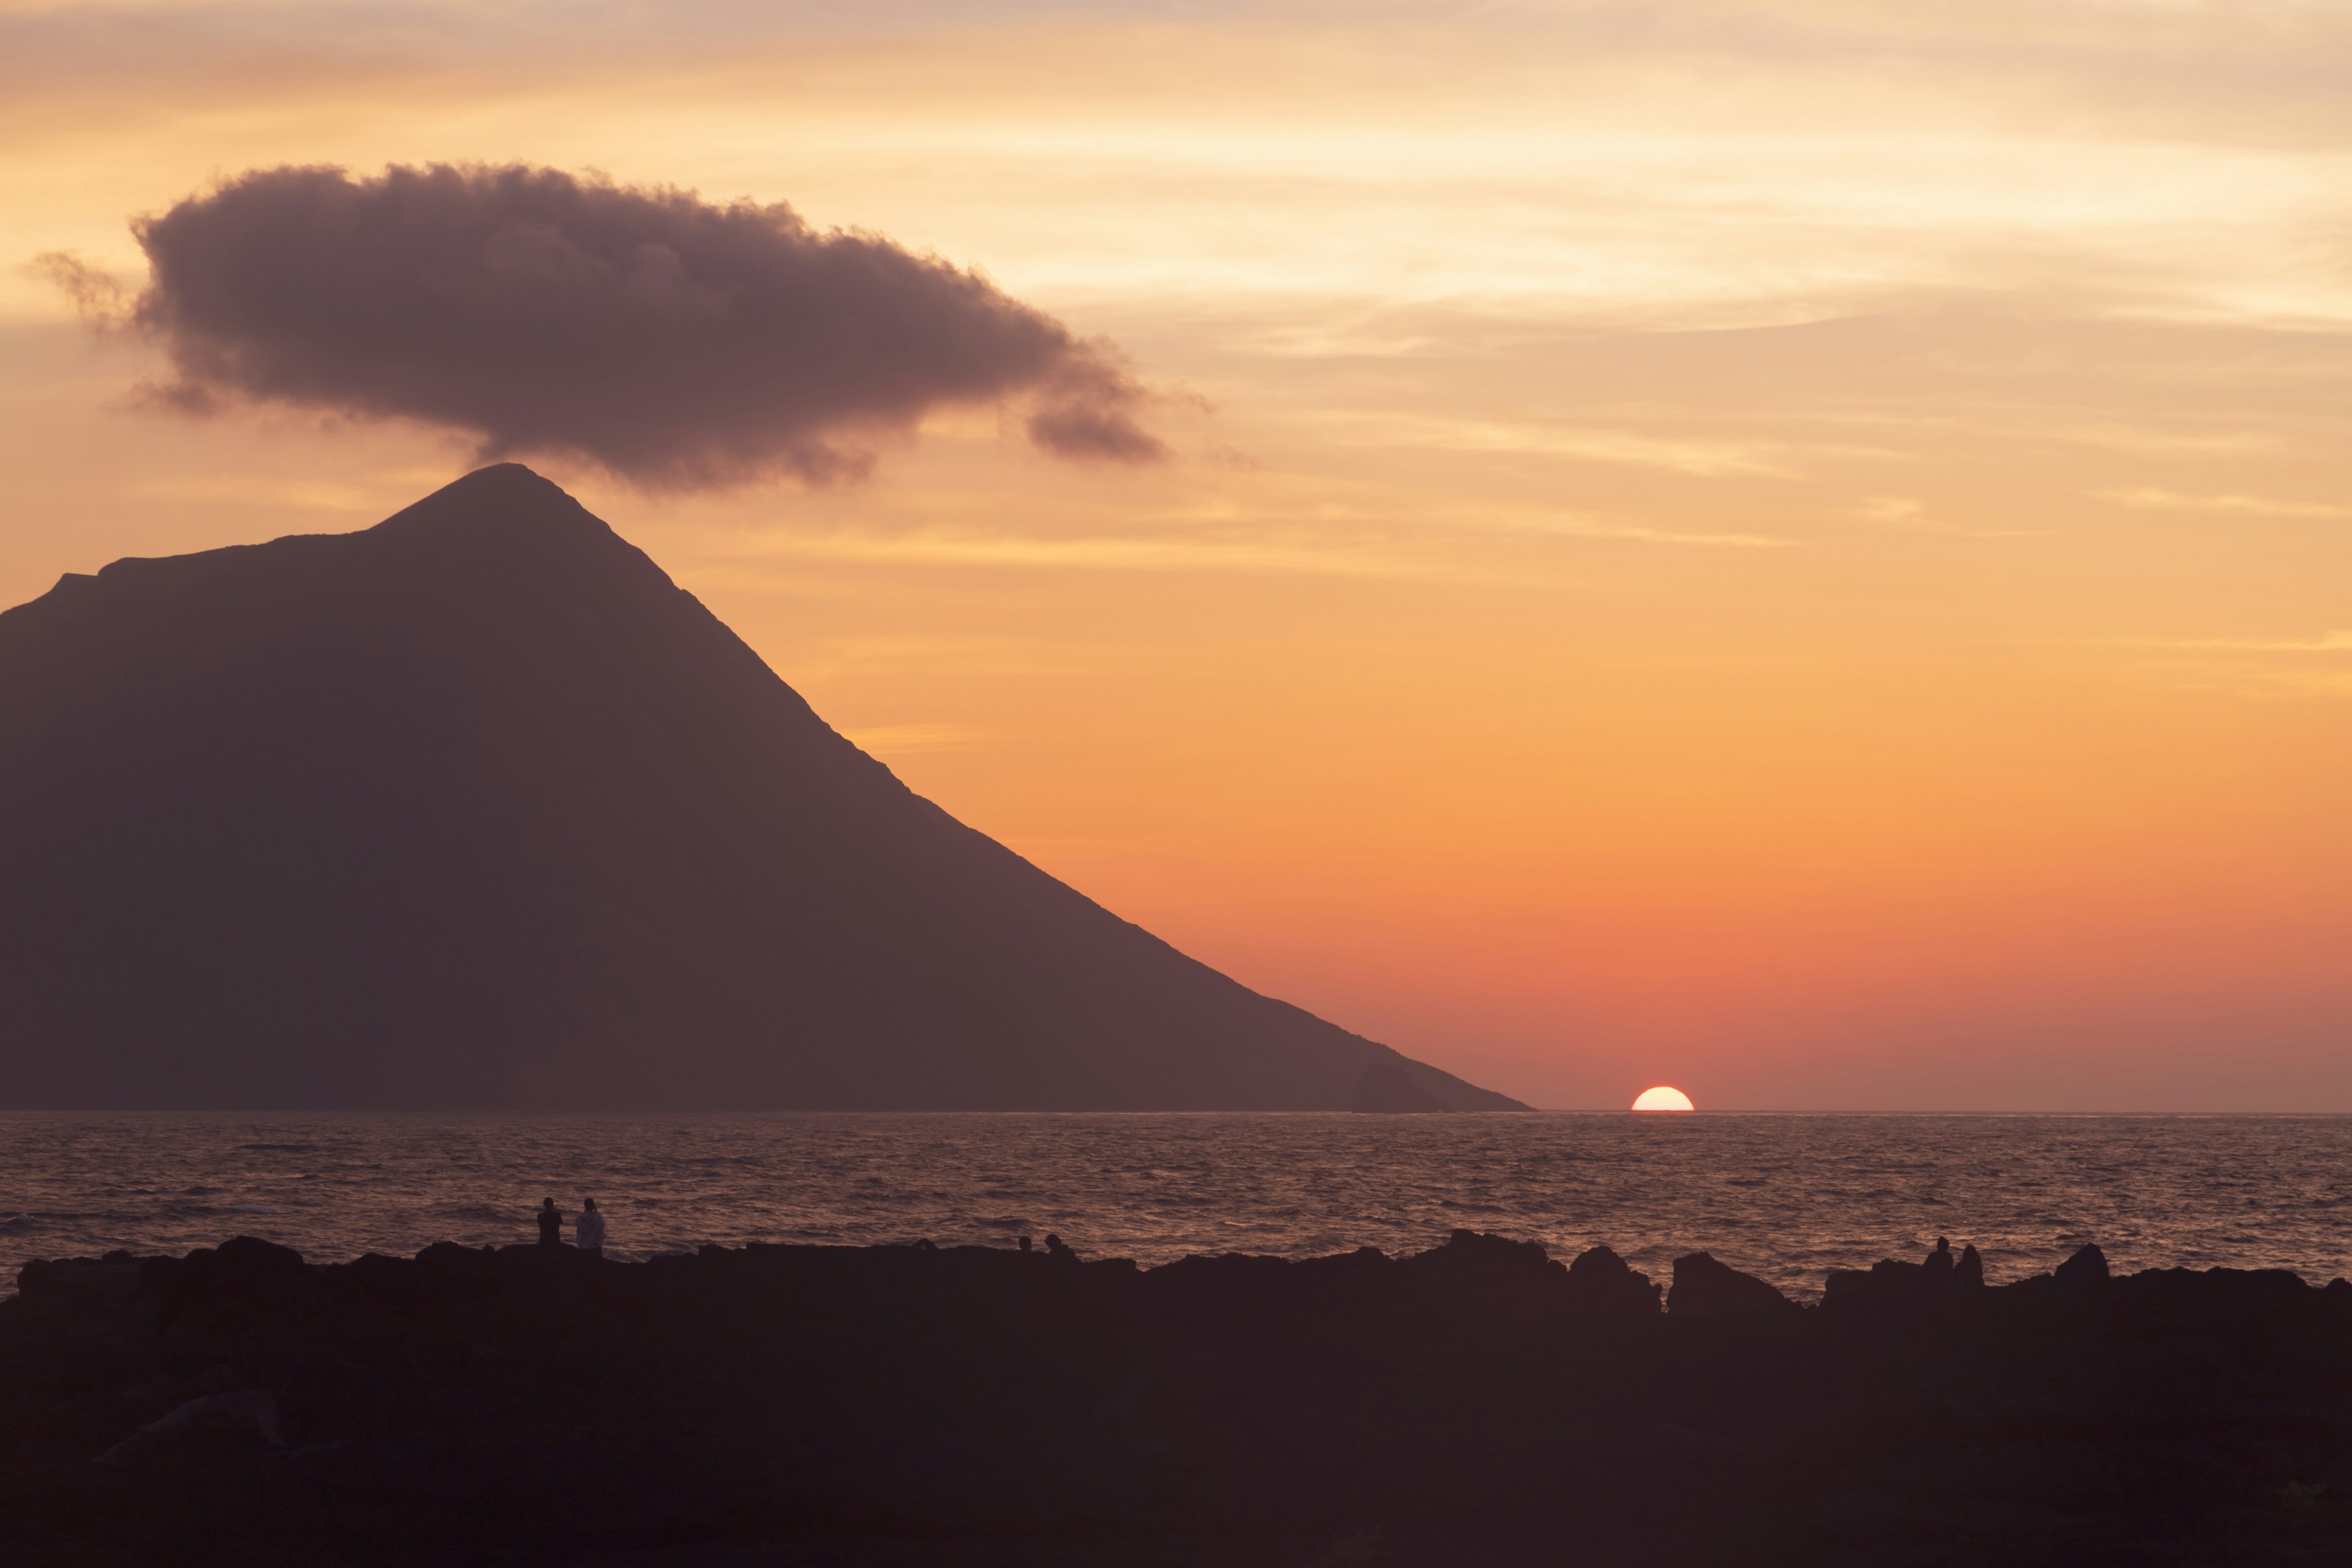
x: 1663, y: 1098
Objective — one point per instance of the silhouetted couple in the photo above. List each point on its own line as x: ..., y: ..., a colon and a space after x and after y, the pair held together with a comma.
x: 1943, y: 1273
x: 587, y: 1231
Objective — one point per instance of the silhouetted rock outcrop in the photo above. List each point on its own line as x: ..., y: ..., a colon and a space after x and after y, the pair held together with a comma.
x: 477, y: 810
x: 1885, y: 1283
x: 1476, y: 1279
x: 958, y: 1407
x: 1704, y: 1287
x: 1602, y: 1287
x: 2085, y: 1270
x: 1893, y: 1285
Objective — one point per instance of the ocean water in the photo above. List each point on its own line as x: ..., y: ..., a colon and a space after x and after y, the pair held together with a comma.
x: 1786, y: 1197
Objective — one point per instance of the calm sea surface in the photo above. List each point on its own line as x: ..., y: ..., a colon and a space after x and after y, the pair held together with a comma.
x: 1787, y: 1196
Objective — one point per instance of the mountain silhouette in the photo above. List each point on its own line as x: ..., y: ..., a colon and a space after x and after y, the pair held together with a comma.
x: 477, y: 810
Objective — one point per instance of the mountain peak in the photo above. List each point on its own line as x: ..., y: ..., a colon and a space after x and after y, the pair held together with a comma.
x: 504, y: 495
x: 477, y: 810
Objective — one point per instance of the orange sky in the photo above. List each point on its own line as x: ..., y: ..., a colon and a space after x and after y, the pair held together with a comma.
x: 1800, y: 550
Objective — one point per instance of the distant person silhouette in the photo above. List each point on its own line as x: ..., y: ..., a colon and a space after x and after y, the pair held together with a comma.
x: 1969, y: 1275
x: 550, y: 1225
x: 1939, y: 1264
x: 588, y: 1230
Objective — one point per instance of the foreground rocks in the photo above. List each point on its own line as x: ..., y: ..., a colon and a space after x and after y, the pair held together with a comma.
x: 1479, y: 1403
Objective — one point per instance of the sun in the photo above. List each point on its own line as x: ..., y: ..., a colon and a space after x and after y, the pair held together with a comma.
x: 1663, y: 1099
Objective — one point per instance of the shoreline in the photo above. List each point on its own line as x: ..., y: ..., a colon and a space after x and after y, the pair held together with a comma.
x: 1477, y: 1401
x: 1785, y: 1197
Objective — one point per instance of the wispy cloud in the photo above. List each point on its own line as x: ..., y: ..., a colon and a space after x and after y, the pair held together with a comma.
x: 1905, y: 511
x: 1640, y: 534
x: 941, y: 548
x: 2315, y: 665
x: 300, y: 495
x: 902, y: 654
x: 907, y: 740
x: 1584, y: 525
x: 2259, y: 506
x: 2326, y: 642
x: 1910, y: 513
x: 1674, y: 454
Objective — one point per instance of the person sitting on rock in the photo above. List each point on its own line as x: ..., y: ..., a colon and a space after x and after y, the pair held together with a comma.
x: 550, y: 1225
x: 588, y: 1230
x: 1940, y: 1264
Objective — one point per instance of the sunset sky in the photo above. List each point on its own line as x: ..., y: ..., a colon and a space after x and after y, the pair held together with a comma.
x: 1800, y: 550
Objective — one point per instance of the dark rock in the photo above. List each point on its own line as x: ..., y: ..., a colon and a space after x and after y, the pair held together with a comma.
x: 249, y: 1256
x: 246, y: 1409
x: 1893, y: 1285
x: 2083, y: 1271
x: 79, y: 1281
x: 1847, y: 1289
x: 1704, y: 1287
x: 390, y: 1277
x: 2241, y: 1293
x: 1677, y: 1439
x: 1488, y: 1280
x: 1602, y: 1287
x: 970, y: 1407
x: 445, y: 1268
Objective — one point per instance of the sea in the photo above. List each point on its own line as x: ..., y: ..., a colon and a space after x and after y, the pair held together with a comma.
x: 1785, y: 1196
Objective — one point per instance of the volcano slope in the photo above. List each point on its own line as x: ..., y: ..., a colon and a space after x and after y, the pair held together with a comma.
x: 478, y: 809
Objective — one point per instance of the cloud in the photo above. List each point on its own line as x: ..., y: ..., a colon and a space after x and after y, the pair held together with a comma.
x: 2263, y: 506
x: 678, y: 342
x: 2326, y: 642
x: 1707, y: 460
x: 1910, y: 513
x: 906, y: 739
x: 97, y: 296
x: 962, y: 547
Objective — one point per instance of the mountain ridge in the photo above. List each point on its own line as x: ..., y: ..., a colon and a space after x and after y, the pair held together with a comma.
x: 477, y: 808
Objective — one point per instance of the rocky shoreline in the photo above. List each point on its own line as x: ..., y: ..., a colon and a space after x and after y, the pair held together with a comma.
x: 1476, y: 1403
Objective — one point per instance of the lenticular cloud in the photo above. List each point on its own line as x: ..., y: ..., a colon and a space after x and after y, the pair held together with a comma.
x: 678, y: 342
